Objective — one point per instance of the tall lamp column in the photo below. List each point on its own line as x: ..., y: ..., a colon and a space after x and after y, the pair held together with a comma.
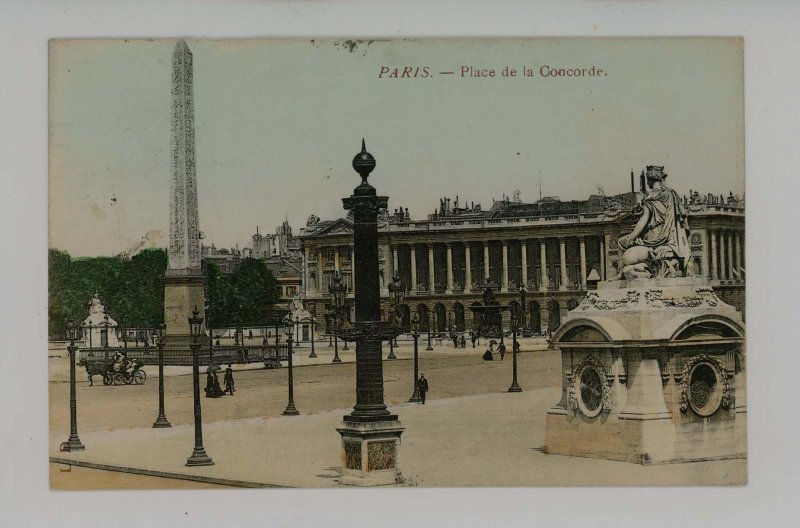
x: 199, y: 456
x: 161, y: 420
x: 312, y: 308
x: 338, y: 292
x: 415, y: 398
x: 290, y: 410
x: 429, y: 347
x: 514, y: 322
x: 397, y: 291
x: 74, y: 442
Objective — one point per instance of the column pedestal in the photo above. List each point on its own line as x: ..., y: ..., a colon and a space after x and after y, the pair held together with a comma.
x: 370, y: 453
x: 183, y: 291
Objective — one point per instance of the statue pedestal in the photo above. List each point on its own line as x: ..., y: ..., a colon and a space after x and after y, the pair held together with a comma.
x: 370, y: 452
x: 183, y: 291
x: 651, y: 373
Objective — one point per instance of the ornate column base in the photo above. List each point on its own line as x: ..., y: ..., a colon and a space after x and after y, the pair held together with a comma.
x: 161, y: 421
x: 370, y: 453
x: 515, y: 387
x: 74, y: 443
x: 199, y: 458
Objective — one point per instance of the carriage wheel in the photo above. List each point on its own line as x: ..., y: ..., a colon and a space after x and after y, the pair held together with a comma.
x: 107, y: 379
x: 118, y: 378
x: 139, y: 376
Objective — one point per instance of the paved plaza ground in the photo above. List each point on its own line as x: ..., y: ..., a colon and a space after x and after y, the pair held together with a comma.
x: 470, y: 433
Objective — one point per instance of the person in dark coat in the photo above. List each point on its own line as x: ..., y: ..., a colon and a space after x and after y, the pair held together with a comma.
x: 229, y: 380
x: 474, y: 338
x: 422, y: 387
x: 213, y: 390
x: 502, y: 349
x: 488, y: 356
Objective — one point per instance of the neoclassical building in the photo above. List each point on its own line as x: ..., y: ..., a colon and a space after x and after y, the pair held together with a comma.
x: 554, y: 248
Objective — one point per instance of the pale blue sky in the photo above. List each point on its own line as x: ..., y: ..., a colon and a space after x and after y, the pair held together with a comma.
x: 278, y: 122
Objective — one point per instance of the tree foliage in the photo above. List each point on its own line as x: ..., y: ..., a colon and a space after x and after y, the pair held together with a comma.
x: 242, y: 297
x: 133, y: 290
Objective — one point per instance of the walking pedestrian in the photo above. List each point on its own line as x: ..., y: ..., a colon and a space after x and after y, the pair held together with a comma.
x: 229, y: 387
x: 474, y: 338
x: 422, y: 387
x: 502, y: 349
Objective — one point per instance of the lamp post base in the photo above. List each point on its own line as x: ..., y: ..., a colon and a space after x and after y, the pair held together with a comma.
x: 74, y: 443
x: 312, y: 355
x: 336, y: 360
x: 290, y: 410
x: 161, y: 422
x: 515, y: 387
x: 415, y: 397
x: 391, y: 355
x: 199, y: 458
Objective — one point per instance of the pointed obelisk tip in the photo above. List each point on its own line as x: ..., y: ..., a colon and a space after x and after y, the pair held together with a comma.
x: 181, y: 47
x: 363, y: 145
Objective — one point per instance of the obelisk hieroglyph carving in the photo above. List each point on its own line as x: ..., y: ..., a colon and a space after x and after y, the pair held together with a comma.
x: 183, y: 281
x: 184, y: 241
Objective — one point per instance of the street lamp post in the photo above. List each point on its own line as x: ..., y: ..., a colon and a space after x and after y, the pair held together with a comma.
x: 123, y: 324
x: 514, y: 322
x: 415, y: 398
x: 429, y: 347
x: 161, y: 421
x: 290, y: 410
x: 313, y: 353
x: 312, y: 307
x: 74, y: 442
x: 338, y: 292
x: 523, y: 308
x: 329, y: 324
x: 199, y: 456
x: 210, y: 332
x: 397, y: 290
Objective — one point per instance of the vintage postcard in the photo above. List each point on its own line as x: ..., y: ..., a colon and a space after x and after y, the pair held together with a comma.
x: 358, y: 263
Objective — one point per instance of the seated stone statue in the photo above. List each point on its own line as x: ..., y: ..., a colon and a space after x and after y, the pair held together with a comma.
x: 658, y: 246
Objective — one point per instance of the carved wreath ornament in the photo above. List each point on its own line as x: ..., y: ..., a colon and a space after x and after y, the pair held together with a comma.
x: 592, y: 301
x: 588, y: 388
x: 705, y: 386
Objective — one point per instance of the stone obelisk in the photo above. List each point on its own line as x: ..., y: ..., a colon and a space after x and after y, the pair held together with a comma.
x: 183, y: 281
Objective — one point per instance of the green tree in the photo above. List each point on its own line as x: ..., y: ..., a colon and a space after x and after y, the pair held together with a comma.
x: 242, y: 297
x: 129, y: 288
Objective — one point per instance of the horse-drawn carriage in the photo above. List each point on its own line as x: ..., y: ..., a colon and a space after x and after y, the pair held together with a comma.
x: 115, y: 371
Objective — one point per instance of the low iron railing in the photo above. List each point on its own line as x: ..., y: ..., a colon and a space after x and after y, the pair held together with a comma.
x: 220, y: 355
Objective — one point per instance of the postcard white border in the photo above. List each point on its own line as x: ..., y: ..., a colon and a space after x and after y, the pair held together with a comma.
x: 772, y: 159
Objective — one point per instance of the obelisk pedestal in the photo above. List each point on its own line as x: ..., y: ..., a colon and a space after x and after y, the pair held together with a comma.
x: 370, y: 433
x: 183, y: 281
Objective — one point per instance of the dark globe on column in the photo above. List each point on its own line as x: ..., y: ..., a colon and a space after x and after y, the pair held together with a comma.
x: 363, y: 162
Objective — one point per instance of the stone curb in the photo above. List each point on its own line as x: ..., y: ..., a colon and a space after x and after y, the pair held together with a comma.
x: 164, y: 474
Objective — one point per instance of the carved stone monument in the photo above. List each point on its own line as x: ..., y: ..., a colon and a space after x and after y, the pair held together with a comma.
x: 183, y: 280
x: 653, y: 366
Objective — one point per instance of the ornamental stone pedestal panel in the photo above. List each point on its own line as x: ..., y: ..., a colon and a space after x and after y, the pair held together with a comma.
x: 370, y: 453
x: 651, y: 373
